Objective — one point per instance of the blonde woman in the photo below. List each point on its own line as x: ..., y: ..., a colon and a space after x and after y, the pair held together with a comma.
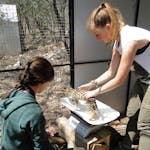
x: 130, y: 46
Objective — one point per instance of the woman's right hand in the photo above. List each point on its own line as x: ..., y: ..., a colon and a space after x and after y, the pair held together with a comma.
x: 86, y: 87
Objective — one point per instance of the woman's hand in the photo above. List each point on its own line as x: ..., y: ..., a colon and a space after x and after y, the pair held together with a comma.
x: 86, y: 87
x: 89, y: 94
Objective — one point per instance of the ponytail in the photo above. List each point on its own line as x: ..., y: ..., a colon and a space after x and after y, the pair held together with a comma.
x: 104, y: 14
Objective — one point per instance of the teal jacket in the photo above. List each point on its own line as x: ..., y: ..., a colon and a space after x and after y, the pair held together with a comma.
x: 23, y: 123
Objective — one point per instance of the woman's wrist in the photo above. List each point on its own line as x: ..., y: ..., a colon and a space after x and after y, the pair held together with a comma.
x: 94, y: 84
x: 98, y: 91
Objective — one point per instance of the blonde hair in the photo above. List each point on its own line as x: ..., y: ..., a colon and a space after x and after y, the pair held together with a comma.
x: 104, y: 14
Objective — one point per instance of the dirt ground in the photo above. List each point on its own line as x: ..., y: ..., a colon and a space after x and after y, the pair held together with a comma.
x: 49, y: 99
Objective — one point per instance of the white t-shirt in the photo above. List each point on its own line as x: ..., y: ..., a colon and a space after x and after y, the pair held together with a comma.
x: 130, y: 33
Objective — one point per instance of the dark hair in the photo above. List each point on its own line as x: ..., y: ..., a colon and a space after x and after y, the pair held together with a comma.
x: 102, y: 19
x: 38, y: 70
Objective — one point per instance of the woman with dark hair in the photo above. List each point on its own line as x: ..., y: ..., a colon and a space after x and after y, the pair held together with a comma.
x: 23, y: 119
x: 130, y: 46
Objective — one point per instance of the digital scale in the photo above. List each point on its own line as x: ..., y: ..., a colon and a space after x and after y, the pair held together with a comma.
x: 81, y: 127
x: 78, y: 133
x: 80, y: 118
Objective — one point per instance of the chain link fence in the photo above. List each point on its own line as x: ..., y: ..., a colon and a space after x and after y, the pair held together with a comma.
x: 31, y: 28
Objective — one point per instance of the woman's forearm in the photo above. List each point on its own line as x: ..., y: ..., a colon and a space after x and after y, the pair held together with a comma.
x: 105, y: 77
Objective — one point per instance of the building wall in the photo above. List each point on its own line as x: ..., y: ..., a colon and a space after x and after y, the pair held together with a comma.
x: 9, y: 31
x: 9, y: 39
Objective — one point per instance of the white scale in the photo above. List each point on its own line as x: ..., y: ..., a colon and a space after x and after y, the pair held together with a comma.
x: 81, y: 127
x: 80, y: 118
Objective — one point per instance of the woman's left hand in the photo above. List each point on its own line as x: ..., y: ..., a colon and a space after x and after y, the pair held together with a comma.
x: 90, y: 94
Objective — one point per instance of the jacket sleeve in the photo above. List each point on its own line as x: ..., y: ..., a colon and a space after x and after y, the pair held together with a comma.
x: 38, y: 134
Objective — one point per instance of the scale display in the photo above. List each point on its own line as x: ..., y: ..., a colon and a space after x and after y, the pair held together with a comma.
x: 106, y: 113
x: 81, y: 127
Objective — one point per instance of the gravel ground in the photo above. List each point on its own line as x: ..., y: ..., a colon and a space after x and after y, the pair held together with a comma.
x: 49, y: 99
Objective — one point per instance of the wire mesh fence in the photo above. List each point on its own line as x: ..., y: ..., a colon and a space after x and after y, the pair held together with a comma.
x: 31, y: 28
x: 38, y: 22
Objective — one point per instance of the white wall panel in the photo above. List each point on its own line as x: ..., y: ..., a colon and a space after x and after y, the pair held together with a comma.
x: 143, y: 16
x: 87, y: 72
x: 86, y: 47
